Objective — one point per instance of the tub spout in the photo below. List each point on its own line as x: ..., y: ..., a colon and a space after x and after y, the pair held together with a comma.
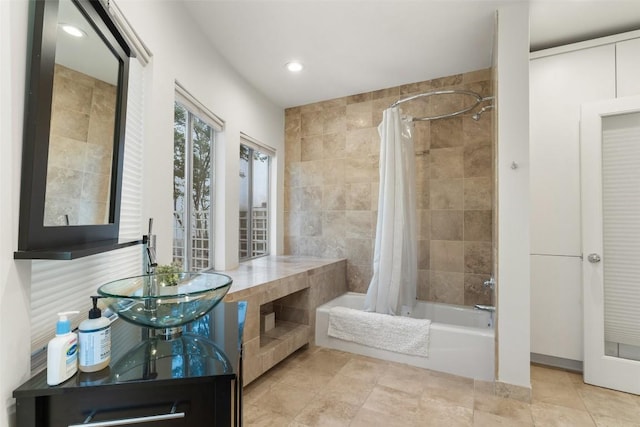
x: 483, y: 307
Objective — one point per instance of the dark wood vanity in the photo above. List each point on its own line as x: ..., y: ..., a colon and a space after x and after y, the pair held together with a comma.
x: 192, y: 380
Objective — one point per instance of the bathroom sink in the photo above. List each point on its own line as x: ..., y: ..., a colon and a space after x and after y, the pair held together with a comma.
x: 163, y: 301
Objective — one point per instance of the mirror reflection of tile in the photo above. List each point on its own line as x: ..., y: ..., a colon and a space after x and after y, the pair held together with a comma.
x: 81, y: 149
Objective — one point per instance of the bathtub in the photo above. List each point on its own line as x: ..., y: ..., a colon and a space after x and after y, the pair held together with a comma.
x: 461, y: 340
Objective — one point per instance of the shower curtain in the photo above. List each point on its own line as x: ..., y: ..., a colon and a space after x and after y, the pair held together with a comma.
x: 395, y: 262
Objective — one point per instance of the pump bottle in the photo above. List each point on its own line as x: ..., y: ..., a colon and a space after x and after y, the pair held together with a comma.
x: 94, y: 338
x: 62, y: 351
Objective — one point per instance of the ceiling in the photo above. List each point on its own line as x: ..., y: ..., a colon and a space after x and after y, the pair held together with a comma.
x: 355, y: 46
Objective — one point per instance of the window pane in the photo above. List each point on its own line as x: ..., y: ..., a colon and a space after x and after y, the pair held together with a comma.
x: 193, y: 191
x: 179, y: 139
x: 201, y: 194
x: 260, y: 204
x: 254, y: 203
x: 245, y: 154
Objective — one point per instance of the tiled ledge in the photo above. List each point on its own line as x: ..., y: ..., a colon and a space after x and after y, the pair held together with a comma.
x: 251, y: 275
x: 291, y: 287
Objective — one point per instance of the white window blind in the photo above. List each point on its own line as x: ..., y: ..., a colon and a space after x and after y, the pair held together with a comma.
x: 184, y: 97
x: 66, y: 285
x: 621, y: 227
x: 137, y: 45
x: 257, y: 145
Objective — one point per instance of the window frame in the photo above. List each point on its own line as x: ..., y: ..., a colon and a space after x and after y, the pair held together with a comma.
x: 194, y: 109
x: 253, y: 145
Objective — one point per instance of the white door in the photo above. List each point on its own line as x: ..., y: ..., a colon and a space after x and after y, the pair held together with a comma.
x: 610, y: 190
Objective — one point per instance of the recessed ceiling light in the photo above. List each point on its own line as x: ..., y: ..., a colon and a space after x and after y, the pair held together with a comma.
x: 72, y: 30
x: 294, y: 66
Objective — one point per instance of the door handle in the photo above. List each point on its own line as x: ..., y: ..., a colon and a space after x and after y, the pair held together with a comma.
x: 594, y: 258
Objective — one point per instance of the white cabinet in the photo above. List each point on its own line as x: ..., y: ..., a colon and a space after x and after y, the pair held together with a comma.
x: 559, y: 84
x: 556, y: 306
x: 628, y: 67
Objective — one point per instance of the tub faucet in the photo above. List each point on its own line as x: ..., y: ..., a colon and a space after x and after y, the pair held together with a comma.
x: 483, y: 307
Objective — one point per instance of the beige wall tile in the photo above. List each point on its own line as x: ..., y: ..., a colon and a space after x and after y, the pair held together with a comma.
x: 311, y: 148
x: 311, y: 224
x: 358, y: 196
x: 334, y: 224
x: 446, y: 287
x: 359, y: 115
x: 422, y: 287
x: 333, y: 145
x: 477, y: 225
x: 359, y: 224
x: 478, y: 193
x: 333, y: 198
x: 358, y: 276
x: 334, y: 119
x: 477, y: 257
x: 446, y: 224
x: 333, y: 171
x: 446, y: 162
x: 446, y: 133
x: 447, y: 194
x: 447, y: 256
x: 424, y: 254
x: 311, y: 124
x: 361, y: 142
x: 478, y: 160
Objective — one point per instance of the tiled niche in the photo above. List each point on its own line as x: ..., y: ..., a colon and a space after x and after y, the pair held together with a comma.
x: 331, y: 185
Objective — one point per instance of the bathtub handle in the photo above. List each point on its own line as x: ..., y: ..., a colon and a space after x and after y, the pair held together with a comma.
x: 491, y: 283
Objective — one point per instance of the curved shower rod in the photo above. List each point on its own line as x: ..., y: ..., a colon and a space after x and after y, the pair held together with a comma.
x: 479, y: 99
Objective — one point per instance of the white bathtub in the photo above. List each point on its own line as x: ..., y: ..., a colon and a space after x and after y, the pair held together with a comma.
x: 461, y: 340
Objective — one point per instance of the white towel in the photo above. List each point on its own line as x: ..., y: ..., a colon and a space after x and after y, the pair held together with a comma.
x: 399, y: 334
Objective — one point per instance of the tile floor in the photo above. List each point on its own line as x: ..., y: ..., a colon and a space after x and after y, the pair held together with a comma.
x: 323, y: 387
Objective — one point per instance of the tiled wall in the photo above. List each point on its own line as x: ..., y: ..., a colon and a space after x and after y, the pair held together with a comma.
x: 80, y: 149
x: 331, y: 186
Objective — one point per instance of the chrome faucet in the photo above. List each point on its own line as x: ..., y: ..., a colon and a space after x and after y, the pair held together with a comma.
x: 150, y: 240
x: 483, y: 307
x: 491, y: 283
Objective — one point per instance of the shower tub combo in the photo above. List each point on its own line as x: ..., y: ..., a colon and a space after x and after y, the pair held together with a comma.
x: 461, y: 339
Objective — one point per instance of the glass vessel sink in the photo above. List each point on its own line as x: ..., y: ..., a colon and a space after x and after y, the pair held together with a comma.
x: 165, y: 301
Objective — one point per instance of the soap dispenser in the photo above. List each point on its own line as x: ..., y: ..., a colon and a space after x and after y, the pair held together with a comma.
x: 62, y: 351
x: 94, y: 338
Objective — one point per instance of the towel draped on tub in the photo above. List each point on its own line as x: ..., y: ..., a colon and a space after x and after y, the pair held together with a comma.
x: 399, y: 334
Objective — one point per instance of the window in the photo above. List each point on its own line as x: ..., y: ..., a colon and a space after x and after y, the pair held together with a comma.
x: 255, y: 167
x: 193, y: 183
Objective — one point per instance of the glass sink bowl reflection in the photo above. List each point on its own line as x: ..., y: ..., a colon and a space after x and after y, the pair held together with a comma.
x: 163, y: 301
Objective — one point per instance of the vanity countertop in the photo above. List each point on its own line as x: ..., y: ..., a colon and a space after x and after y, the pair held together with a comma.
x: 208, y: 347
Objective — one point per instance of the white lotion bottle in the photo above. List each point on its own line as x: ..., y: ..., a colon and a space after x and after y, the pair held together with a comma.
x: 62, y: 351
x: 94, y: 338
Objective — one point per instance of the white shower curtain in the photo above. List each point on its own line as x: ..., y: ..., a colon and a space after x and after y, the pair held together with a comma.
x: 395, y: 262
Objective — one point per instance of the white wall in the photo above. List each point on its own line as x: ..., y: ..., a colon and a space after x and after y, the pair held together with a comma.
x: 179, y: 53
x: 513, y: 195
x: 183, y: 54
x: 14, y: 276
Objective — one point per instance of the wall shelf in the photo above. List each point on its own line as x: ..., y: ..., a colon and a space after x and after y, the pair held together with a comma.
x: 75, y: 251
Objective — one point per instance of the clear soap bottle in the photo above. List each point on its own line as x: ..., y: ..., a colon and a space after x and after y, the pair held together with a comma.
x: 94, y: 337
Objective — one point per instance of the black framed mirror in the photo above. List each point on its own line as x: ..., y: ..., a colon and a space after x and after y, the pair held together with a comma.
x: 74, y: 131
